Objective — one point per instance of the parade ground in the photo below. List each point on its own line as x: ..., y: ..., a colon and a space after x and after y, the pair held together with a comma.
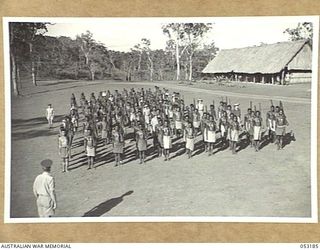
x: 268, y: 183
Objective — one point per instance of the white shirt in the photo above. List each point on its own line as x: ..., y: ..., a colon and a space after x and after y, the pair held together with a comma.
x: 50, y: 112
x: 44, y: 185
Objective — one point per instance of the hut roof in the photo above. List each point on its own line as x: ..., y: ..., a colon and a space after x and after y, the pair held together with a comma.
x: 266, y: 58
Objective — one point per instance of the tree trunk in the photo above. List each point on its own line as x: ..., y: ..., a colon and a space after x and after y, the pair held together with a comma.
x: 186, y: 76
x: 92, y: 75
x: 139, y: 61
x: 160, y: 74
x: 18, y: 77
x: 190, y: 67
x: 151, y: 69
x: 151, y: 74
x: 14, y: 74
x: 178, y: 61
x: 33, y: 70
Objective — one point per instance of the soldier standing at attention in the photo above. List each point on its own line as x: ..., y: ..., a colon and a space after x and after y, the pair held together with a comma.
x: 210, y: 134
x: 223, y: 127
x: 257, y: 130
x: 248, y: 125
x: 200, y: 107
x: 270, y: 123
x: 50, y: 115
x: 91, y: 149
x: 63, y: 144
x: 281, y: 123
x: 221, y: 109
x: 189, y: 136
x: 43, y: 189
x: 141, y: 139
x: 237, y: 112
x: 234, y: 134
x: 159, y: 138
x: 118, y: 144
x: 196, y: 121
x: 177, y: 115
x: 167, y: 140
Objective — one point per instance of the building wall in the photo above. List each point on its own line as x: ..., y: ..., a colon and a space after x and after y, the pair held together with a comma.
x: 303, y: 60
x: 300, y: 77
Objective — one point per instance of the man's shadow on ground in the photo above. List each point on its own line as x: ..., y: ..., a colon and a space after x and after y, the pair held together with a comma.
x: 105, y: 206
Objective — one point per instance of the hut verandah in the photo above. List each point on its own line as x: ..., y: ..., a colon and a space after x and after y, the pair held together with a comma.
x: 279, y: 63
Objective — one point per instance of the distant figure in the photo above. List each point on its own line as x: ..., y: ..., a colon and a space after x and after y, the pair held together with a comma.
x: 43, y: 189
x: 50, y: 115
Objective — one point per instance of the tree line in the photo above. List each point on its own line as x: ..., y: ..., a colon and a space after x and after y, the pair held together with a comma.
x: 38, y: 56
x: 35, y: 56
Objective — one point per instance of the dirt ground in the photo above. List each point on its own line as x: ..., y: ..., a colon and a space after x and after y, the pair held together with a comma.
x: 266, y: 183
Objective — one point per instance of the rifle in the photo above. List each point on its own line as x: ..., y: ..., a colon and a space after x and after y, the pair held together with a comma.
x: 281, y: 105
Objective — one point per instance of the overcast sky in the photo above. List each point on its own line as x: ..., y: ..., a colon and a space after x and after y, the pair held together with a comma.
x: 123, y: 33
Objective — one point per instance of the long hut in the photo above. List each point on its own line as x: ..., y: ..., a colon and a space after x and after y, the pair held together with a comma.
x: 279, y: 63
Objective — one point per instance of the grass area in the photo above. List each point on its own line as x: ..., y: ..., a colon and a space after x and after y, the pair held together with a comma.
x: 302, y: 90
x: 267, y: 183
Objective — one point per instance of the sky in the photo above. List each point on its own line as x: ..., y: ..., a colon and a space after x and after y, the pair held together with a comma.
x: 123, y: 33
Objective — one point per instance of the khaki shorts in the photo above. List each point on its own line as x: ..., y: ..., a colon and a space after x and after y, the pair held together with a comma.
x: 45, y: 206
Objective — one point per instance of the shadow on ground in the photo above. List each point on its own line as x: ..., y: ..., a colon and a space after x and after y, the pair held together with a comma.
x: 106, y: 206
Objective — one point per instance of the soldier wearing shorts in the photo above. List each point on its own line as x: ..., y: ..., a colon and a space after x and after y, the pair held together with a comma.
x: 210, y: 134
x: 281, y: 123
x: 91, y: 149
x: 189, y: 134
x: 257, y: 130
x: 63, y: 145
x: 141, y: 139
x: 44, y: 191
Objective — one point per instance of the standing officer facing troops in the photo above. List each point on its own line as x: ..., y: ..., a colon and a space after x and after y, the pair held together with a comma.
x: 44, y: 191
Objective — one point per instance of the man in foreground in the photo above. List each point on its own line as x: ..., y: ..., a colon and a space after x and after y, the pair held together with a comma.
x: 43, y: 189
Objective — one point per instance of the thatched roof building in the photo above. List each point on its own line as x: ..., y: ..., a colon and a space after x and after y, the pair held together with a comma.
x: 268, y: 63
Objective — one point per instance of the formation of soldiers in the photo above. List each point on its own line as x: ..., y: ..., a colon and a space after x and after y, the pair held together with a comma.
x: 160, y: 115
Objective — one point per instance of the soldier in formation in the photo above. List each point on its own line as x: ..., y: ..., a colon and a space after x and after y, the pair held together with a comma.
x: 138, y: 115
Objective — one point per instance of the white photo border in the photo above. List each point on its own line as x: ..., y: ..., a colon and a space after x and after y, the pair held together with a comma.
x: 314, y: 104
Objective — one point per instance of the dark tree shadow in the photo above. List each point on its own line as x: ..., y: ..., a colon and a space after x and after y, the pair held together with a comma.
x: 54, y: 83
x: 33, y: 122
x: 33, y: 134
x: 105, y: 206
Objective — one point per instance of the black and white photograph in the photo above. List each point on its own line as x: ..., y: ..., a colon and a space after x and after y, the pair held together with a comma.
x: 204, y: 119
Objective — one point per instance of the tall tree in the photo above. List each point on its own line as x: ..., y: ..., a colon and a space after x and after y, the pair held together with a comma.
x: 87, y: 44
x: 176, y: 34
x: 185, y: 38
x: 22, y: 35
x: 303, y: 31
x: 194, y: 34
x: 146, y: 50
